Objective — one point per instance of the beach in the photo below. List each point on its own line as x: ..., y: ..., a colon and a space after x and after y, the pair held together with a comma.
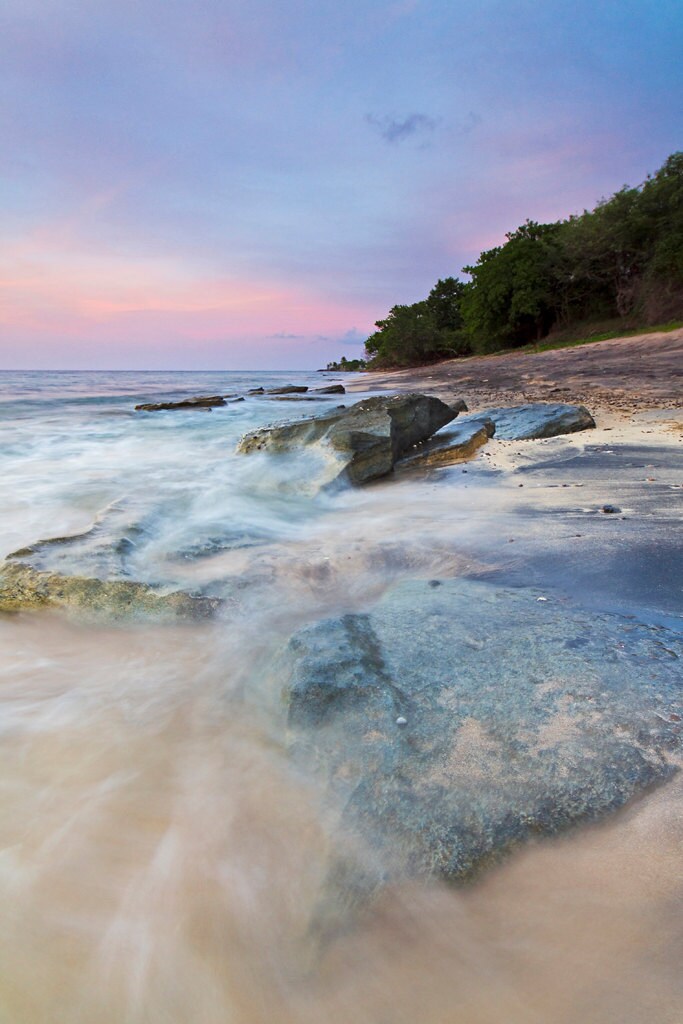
x: 169, y: 853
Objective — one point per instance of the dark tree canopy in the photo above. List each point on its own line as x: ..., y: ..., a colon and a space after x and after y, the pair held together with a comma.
x: 423, y: 332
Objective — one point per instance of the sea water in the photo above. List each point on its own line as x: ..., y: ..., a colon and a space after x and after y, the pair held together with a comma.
x: 160, y: 859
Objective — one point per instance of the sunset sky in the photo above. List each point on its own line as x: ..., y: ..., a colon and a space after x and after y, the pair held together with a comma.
x: 241, y: 185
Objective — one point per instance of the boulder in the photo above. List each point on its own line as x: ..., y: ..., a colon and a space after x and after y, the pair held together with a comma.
x: 290, y: 389
x: 201, y: 402
x: 458, y: 719
x: 331, y: 389
x: 24, y: 588
x: 451, y: 445
x: 364, y: 440
x: 538, y: 419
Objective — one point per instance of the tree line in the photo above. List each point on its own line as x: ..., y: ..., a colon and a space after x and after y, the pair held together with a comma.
x: 622, y: 260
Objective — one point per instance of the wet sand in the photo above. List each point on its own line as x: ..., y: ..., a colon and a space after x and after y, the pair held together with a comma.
x: 555, y: 488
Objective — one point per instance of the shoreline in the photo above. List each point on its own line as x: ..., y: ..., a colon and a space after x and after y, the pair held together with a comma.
x: 176, y: 809
x: 554, y: 488
x: 621, y: 375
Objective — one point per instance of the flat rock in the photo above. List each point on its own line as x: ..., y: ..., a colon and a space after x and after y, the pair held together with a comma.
x: 459, y: 719
x: 24, y: 588
x: 364, y: 440
x: 452, y: 444
x: 201, y: 402
x: 290, y: 389
x: 331, y: 389
x: 538, y: 419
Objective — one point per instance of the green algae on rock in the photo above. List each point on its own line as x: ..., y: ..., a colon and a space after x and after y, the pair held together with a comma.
x: 24, y: 588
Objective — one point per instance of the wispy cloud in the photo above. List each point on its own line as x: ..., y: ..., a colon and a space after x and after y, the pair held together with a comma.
x: 469, y: 123
x: 395, y: 129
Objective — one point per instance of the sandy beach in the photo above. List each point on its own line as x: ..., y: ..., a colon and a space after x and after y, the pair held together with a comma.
x: 622, y: 375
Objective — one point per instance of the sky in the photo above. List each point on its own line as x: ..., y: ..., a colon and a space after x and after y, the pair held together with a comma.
x: 251, y: 184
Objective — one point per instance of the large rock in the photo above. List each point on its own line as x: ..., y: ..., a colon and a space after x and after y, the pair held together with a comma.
x: 538, y: 419
x: 331, y: 389
x: 24, y: 588
x: 364, y: 441
x: 451, y: 445
x: 289, y: 389
x: 458, y: 719
x: 201, y: 402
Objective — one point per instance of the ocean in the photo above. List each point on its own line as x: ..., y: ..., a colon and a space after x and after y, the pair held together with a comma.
x: 162, y: 860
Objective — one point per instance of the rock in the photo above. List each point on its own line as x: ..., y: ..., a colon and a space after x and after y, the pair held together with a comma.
x: 290, y: 389
x: 331, y: 389
x: 23, y: 588
x: 256, y: 391
x: 202, y: 402
x: 610, y: 509
x: 451, y: 445
x: 515, y: 719
x: 363, y: 441
x: 538, y: 419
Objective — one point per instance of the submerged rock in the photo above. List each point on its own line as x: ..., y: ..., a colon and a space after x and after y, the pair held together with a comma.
x: 201, y: 402
x: 365, y: 440
x: 451, y: 445
x: 23, y: 588
x: 458, y: 719
x: 538, y: 419
x: 293, y: 398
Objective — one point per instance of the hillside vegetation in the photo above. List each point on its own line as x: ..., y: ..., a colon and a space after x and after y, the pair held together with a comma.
x: 621, y: 262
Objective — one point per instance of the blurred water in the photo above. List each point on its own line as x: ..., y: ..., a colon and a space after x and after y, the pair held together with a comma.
x: 160, y: 860
x: 71, y: 445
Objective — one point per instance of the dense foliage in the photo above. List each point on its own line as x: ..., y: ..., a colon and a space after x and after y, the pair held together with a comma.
x: 624, y: 259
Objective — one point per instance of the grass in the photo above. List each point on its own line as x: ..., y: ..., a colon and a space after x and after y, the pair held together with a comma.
x: 570, y: 339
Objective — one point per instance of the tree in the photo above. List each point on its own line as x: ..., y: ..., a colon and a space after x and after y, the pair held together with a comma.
x: 512, y: 296
x: 422, y: 332
x: 624, y: 258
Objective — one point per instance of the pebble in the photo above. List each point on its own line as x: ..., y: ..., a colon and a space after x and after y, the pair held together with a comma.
x: 401, y: 721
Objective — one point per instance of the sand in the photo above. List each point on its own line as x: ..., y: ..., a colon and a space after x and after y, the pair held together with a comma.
x: 623, y: 375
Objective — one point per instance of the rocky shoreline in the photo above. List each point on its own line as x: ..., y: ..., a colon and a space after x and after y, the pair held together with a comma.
x: 455, y: 718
